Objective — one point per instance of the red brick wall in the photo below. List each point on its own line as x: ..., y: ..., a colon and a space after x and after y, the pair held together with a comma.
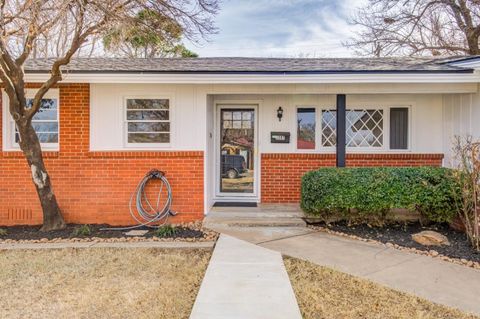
x: 95, y: 187
x: 281, y: 173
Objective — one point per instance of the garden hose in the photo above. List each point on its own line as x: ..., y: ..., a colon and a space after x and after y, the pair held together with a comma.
x: 152, y: 217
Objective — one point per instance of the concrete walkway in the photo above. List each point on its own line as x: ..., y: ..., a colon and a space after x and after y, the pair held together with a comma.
x: 245, y: 281
x: 433, y: 279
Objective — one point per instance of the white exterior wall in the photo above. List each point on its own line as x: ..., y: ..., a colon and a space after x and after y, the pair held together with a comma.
x: 107, y: 113
x: 192, y: 120
x: 461, y: 114
x: 434, y: 116
x: 426, y: 118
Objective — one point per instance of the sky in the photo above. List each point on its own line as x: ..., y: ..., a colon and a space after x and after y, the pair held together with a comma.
x: 280, y: 28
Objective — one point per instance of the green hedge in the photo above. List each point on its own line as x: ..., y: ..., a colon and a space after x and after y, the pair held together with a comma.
x: 371, y: 193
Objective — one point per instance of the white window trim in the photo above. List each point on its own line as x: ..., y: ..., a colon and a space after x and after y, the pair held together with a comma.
x: 318, y: 136
x: 147, y: 146
x: 325, y: 149
x: 8, y: 125
x: 410, y: 127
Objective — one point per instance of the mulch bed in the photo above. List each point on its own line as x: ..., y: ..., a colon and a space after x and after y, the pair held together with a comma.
x: 191, y: 231
x: 401, y: 235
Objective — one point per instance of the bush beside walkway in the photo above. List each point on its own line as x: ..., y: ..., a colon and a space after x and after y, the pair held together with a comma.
x: 370, y: 193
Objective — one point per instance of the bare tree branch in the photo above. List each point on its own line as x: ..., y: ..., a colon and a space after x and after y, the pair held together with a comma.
x: 59, y: 29
x: 417, y: 27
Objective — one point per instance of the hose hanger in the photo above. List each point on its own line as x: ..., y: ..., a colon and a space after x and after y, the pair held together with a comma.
x: 142, y: 210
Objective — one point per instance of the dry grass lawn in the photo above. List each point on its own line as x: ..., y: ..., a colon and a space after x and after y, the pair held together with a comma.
x: 325, y: 293
x: 100, y: 283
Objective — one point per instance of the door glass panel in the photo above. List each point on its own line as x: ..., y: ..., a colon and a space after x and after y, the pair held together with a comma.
x: 237, y: 138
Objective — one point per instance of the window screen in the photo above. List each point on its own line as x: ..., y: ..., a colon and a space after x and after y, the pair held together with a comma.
x: 399, y: 128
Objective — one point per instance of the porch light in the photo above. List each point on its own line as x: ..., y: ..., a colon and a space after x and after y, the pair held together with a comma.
x: 279, y: 113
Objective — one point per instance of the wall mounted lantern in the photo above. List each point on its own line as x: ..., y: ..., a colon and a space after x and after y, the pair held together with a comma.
x: 279, y: 113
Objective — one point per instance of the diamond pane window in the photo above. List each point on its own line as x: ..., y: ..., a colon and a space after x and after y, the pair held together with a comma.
x: 364, y: 128
x: 329, y: 128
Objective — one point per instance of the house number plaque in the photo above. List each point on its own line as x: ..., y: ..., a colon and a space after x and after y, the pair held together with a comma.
x: 280, y: 137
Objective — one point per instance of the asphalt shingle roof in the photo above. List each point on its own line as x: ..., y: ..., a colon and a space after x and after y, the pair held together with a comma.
x: 248, y: 65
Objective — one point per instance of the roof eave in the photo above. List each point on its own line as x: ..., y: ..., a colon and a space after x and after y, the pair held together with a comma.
x: 260, y: 72
x: 257, y: 77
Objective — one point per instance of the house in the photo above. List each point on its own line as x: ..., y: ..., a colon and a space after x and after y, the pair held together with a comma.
x: 112, y: 120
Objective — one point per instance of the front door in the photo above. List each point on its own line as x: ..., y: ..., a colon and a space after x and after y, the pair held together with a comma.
x: 236, y: 162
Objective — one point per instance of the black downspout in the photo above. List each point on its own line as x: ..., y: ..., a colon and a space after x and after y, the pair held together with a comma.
x: 341, y: 129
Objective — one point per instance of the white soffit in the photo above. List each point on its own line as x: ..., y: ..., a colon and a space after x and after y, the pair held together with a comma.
x: 285, y: 78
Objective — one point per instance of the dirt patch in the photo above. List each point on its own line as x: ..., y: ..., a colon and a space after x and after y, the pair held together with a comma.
x: 191, y: 231
x: 100, y: 283
x: 328, y: 294
x: 401, y: 234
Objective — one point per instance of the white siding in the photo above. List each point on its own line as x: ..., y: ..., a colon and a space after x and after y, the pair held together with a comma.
x: 107, y: 114
x: 426, y: 117
x: 435, y: 118
x: 461, y: 117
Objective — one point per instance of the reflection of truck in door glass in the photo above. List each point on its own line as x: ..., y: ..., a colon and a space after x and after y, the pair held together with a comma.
x: 233, y: 165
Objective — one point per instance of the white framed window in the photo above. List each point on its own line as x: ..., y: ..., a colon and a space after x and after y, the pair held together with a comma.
x: 368, y: 128
x: 329, y: 128
x: 306, y: 128
x: 147, y: 121
x: 45, y: 122
x: 365, y: 128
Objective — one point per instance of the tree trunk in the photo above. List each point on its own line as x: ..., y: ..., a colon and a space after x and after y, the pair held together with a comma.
x: 30, y: 145
x: 472, y: 41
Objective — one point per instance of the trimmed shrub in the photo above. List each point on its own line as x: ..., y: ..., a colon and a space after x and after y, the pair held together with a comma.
x: 371, y: 193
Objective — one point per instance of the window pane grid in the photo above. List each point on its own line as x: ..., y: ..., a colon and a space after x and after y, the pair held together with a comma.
x: 47, y: 114
x: 237, y: 120
x: 329, y: 128
x: 144, y: 104
x: 364, y: 128
x: 148, y: 121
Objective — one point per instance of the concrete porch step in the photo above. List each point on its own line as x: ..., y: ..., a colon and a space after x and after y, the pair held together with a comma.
x: 273, y: 208
x: 258, y: 214
x: 265, y: 215
x: 215, y: 222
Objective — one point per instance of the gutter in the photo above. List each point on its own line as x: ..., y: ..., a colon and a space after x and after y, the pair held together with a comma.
x: 259, y: 72
x: 457, y: 76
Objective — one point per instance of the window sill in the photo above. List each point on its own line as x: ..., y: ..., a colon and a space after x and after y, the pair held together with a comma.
x: 147, y: 147
x: 329, y: 150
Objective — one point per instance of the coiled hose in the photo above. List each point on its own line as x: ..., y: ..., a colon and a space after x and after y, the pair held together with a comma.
x: 149, y: 216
